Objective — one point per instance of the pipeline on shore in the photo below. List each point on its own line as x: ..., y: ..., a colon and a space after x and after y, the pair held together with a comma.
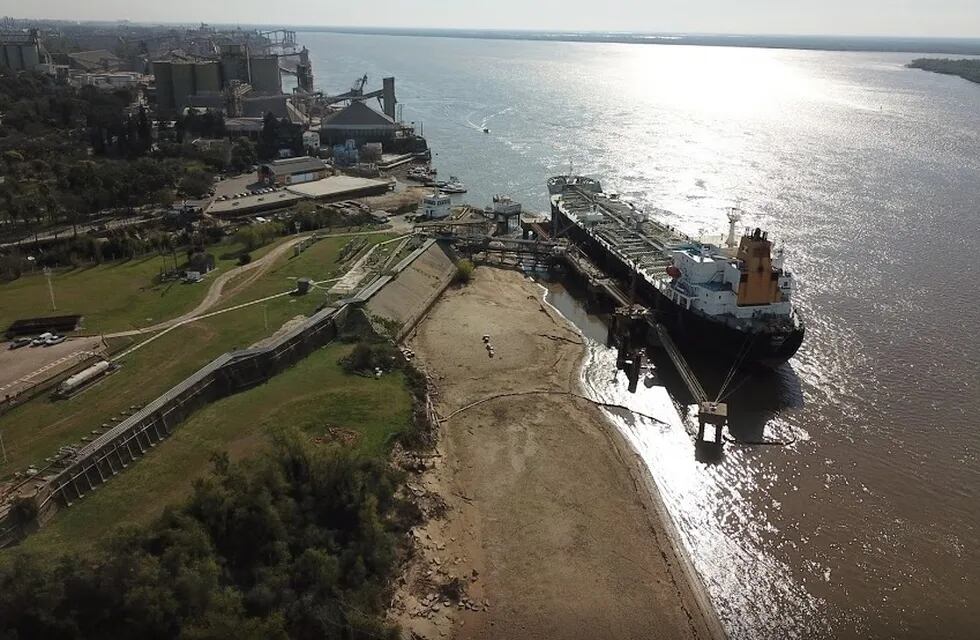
x: 605, y: 405
x: 550, y: 392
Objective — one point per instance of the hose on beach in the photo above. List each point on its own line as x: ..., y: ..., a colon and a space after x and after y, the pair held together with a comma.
x: 605, y: 405
x: 547, y: 392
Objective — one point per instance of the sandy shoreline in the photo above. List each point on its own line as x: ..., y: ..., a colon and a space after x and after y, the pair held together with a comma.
x: 550, y: 531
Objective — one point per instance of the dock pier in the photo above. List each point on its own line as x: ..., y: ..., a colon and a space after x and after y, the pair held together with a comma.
x: 632, y: 328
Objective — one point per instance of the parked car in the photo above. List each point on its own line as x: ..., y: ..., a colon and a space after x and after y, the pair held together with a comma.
x: 17, y: 343
x: 41, y: 339
x: 54, y: 340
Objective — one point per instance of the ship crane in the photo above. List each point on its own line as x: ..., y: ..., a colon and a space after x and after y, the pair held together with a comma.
x: 358, y: 87
x: 734, y: 215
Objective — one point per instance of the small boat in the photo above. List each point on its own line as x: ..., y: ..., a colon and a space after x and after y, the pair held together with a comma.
x: 486, y: 129
x: 453, y: 186
x: 421, y: 174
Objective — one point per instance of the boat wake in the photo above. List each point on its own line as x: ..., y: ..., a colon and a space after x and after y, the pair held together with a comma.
x: 483, y: 125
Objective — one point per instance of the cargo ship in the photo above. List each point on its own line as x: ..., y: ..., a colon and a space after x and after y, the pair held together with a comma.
x: 734, y: 300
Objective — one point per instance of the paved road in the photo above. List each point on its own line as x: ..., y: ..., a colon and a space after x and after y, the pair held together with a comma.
x: 67, y: 232
x: 23, y: 368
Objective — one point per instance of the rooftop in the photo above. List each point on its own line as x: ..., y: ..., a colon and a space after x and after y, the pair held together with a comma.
x: 98, y: 60
x: 336, y: 187
x: 253, y: 203
x: 357, y: 115
x: 292, y: 166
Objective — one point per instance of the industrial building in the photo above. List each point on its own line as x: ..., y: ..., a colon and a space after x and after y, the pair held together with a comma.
x: 506, y: 214
x: 436, y: 206
x: 292, y: 171
x: 99, y: 60
x: 358, y: 122
x: 109, y: 81
x: 21, y: 50
x: 236, y: 82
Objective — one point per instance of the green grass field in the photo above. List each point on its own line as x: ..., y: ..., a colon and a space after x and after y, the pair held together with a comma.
x: 312, y: 396
x: 35, y: 430
x: 114, y: 296
x: 318, y: 262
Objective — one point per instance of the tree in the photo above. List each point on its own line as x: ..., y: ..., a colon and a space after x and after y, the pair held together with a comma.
x: 143, y: 130
x: 164, y: 198
x: 268, y: 145
x: 243, y: 154
x: 196, y: 183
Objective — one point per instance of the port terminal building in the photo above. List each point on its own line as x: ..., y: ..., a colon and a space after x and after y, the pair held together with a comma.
x: 358, y: 122
x: 281, y: 173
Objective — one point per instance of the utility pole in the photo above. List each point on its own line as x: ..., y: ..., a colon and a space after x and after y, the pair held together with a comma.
x: 47, y: 274
x: 265, y: 315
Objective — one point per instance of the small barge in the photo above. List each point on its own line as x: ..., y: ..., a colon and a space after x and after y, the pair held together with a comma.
x: 735, y: 300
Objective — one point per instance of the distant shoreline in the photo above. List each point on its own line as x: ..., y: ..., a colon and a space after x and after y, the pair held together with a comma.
x: 963, y: 46
x: 966, y: 69
x: 884, y: 44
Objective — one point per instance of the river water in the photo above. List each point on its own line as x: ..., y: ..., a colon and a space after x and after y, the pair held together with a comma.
x: 868, y: 173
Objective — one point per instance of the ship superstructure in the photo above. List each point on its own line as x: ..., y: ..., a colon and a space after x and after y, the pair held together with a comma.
x: 737, y: 299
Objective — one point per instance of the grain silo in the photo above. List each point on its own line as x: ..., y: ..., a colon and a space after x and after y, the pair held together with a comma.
x: 388, y: 96
x: 12, y: 57
x: 20, y: 51
x: 207, y: 77
x: 265, y: 74
x: 30, y: 56
x: 234, y: 63
x: 183, y: 75
x: 164, y: 79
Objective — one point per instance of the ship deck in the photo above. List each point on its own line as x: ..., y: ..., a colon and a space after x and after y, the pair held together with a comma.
x: 641, y: 240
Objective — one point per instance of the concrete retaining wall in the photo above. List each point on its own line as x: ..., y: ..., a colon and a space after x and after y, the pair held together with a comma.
x: 412, y: 292
x: 125, y: 443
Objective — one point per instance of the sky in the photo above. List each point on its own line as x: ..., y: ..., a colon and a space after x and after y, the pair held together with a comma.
x: 932, y: 18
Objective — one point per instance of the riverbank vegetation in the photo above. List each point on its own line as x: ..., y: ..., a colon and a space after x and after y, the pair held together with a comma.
x: 71, y: 155
x: 296, y: 543
x: 464, y: 272
x: 968, y: 69
x: 315, y: 399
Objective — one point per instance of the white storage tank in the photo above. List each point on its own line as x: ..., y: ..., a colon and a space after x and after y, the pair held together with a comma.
x: 75, y: 382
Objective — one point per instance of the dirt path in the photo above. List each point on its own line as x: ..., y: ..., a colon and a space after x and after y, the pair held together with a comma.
x: 256, y: 269
x: 549, y: 526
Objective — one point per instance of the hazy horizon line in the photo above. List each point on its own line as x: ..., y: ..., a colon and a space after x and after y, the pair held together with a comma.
x: 504, y: 30
x: 945, y: 45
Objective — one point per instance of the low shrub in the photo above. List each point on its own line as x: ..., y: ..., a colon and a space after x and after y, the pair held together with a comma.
x: 464, y: 272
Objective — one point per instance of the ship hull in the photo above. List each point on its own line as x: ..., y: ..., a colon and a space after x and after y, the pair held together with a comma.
x: 769, y: 349
x: 690, y: 329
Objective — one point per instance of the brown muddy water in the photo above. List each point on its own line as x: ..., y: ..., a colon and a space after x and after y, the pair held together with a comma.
x: 868, y: 174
